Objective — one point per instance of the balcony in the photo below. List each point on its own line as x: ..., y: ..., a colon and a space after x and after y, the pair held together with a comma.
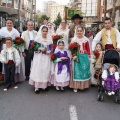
x: 10, y: 11
x: 28, y: 9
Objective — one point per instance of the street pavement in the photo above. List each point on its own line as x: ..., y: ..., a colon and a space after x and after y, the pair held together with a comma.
x: 24, y: 104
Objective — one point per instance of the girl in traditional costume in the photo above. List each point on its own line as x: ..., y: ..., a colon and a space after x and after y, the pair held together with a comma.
x: 62, y: 67
x: 40, y: 71
x: 96, y: 65
x: 111, y: 79
x: 9, y: 31
x: 80, y: 74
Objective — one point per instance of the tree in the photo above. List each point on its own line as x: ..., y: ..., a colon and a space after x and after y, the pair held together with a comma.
x: 114, y: 12
x: 45, y: 17
x: 41, y: 17
x: 58, y: 20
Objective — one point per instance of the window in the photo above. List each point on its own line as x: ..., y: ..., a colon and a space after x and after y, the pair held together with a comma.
x: 103, y: 10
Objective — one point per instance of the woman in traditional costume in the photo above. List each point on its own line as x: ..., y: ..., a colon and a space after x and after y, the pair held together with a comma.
x: 9, y: 31
x: 80, y: 74
x: 40, y: 71
x: 64, y: 31
x: 51, y: 31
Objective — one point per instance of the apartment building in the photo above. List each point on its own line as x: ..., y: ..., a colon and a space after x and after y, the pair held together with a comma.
x: 55, y: 9
x: 88, y: 7
x: 109, y: 12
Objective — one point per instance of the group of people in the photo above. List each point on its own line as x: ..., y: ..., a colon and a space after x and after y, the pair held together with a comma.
x: 78, y: 71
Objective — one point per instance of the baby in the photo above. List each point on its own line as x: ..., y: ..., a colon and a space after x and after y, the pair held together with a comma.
x: 111, y: 78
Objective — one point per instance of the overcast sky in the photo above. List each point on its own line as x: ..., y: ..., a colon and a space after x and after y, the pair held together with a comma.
x: 40, y: 3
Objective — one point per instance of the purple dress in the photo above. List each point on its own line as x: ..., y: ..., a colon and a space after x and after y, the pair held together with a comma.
x: 111, y: 84
x: 62, y: 70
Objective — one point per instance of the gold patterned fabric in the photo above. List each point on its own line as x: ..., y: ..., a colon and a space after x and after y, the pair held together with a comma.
x: 112, y: 36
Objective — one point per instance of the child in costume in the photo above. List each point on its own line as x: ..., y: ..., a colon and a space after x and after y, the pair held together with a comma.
x: 111, y: 79
x: 11, y: 60
x: 96, y: 64
x: 62, y: 67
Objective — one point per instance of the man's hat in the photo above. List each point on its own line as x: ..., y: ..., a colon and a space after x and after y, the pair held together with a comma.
x: 76, y: 16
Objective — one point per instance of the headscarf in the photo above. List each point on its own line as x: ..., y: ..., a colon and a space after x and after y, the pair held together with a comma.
x: 60, y: 27
x: 39, y: 38
x: 57, y: 49
x: 51, y: 30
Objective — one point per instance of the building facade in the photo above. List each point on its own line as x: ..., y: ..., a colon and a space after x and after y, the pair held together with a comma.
x: 55, y: 9
x: 11, y: 8
x: 88, y: 7
x: 109, y: 12
x: 47, y: 7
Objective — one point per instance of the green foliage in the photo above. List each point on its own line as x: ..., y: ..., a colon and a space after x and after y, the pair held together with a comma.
x: 41, y: 18
x: 58, y: 20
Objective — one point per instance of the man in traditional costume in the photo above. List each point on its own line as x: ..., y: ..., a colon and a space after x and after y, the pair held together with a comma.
x: 110, y: 36
x: 28, y: 36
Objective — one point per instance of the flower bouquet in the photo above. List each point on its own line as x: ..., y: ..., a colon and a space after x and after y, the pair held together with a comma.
x: 55, y: 40
x: 53, y: 57
x: 96, y: 55
x: 74, y: 50
x: 34, y: 46
x: 18, y: 42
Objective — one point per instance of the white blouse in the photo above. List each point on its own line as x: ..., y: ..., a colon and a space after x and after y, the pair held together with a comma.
x: 105, y: 73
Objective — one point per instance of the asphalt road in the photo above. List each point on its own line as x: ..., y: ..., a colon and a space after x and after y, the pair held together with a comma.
x: 24, y: 104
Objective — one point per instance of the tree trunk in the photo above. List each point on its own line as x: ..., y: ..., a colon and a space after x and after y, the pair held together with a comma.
x: 114, y: 12
x: 105, y: 9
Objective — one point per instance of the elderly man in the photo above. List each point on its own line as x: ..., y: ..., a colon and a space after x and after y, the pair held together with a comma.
x: 28, y: 36
x: 110, y: 37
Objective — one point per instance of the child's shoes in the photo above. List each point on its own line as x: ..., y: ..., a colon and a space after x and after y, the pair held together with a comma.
x: 5, y: 89
x: 15, y: 87
x: 109, y: 93
x: 75, y: 90
x: 57, y: 88
x: 113, y: 93
x: 37, y: 90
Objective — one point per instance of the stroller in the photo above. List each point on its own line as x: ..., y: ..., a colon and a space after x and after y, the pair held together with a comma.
x: 110, y: 57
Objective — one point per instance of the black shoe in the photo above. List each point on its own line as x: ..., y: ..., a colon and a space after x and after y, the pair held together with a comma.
x: 37, y: 91
x: 27, y: 78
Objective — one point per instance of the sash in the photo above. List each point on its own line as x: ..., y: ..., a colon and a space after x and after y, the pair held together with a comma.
x: 31, y: 41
